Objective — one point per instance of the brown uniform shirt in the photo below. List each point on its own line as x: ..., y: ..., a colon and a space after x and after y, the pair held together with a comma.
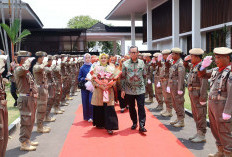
x: 164, y: 71
x: 195, y: 82
x: 63, y: 69
x: 177, y: 73
x: 221, y: 87
x: 40, y: 75
x: 57, y: 73
x: 24, y: 80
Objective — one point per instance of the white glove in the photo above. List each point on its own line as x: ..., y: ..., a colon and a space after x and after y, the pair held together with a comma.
x: 158, y: 85
x: 149, y: 81
x: 206, y: 62
x: 160, y: 57
x: 53, y: 62
x: 226, y: 116
x: 187, y: 58
x: 4, y: 57
x: 59, y: 61
x: 31, y: 59
x: 45, y: 60
x: 180, y: 92
x: 202, y: 103
x: 153, y: 60
x: 168, y: 90
x: 169, y: 57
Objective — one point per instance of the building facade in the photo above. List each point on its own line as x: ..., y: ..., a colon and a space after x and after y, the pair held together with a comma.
x: 179, y: 23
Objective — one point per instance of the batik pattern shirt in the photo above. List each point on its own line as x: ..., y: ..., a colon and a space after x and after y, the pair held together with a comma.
x: 133, y: 77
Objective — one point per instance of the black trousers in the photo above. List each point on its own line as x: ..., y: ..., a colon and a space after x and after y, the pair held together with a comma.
x: 13, y: 92
x: 130, y: 99
x: 122, y: 101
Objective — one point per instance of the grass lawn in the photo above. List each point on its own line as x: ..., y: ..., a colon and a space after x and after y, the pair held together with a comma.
x: 13, y: 112
x: 187, y: 103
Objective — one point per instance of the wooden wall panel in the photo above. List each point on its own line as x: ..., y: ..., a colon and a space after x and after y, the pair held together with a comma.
x: 214, y: 12
x: 185, y: 16
x: 145, y: 28
x: 162, y: 21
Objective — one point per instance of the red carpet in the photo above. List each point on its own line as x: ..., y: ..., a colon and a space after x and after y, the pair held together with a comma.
x: 84, y: 140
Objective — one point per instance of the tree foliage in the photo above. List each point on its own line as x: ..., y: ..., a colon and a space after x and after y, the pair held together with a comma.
x: 13, y: 31
x: 80, y: 22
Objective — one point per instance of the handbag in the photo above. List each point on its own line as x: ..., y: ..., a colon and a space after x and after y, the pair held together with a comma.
x: 81, y: 84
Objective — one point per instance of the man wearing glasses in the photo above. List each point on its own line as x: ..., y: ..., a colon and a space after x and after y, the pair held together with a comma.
x: 133, y: 87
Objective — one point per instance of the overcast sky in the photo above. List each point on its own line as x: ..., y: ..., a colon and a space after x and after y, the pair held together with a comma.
x: 56, y: 13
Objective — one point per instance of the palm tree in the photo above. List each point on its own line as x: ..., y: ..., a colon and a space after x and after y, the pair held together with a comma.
x: 13, y: 33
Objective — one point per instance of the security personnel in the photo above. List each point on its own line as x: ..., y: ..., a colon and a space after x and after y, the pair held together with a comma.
x: 78, y: 69
x: 197, y: 88
x: 149, y: 87
x: 64, y: 74
x: 176, y: 86
x: 69, y: 77
x: 3, y: 110
x: 27, y: 100
x: 220, y: 99
x: 77, y: 72
x: 164, y: 75
x: 158, y: 89
x: 73, y: 76
x: 42, y: 84
x: 58, y: 90
x: 51, y: 89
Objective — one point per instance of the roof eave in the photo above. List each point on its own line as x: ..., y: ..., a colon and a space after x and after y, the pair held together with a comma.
x: 115, y: 8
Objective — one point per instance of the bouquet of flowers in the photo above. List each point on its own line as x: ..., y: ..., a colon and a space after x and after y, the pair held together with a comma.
x: 105, y: 76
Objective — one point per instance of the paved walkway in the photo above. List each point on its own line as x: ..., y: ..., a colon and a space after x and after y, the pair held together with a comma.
x: 51, y: 144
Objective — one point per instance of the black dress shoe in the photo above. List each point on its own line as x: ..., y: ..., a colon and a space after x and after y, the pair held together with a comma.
x: 110, y: 132
x: 142, y: 129
x: 134, y: 126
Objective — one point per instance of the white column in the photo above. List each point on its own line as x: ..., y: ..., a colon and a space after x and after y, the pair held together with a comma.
x: 203, y: 41
x: 175, y: 23
x: 183, y: 44
x: 196, y: 23
x: 123, y: 46
x: 158, y: 46
x: 81, y: 45
x: 132, y: 29
x: 95, y: 48
x: 228, y: 38
x: 115, y: 47
x: 149, y: 25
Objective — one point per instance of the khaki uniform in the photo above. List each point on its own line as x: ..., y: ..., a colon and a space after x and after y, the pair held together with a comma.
x: 41, y: 81
x: 51, y: 89
x: 3, y: 119
x: 73, y: 77
x: 69, y: 77
x: 197, y: 88
x: 78, y: 69
x: 149, y: 87
x: 164, y: 75
x: 58, y: 89
x: 27, y: 101
x: 158, y: 90
x: 176, y: 83
x: 64, y: 75
x: 220, y: 99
